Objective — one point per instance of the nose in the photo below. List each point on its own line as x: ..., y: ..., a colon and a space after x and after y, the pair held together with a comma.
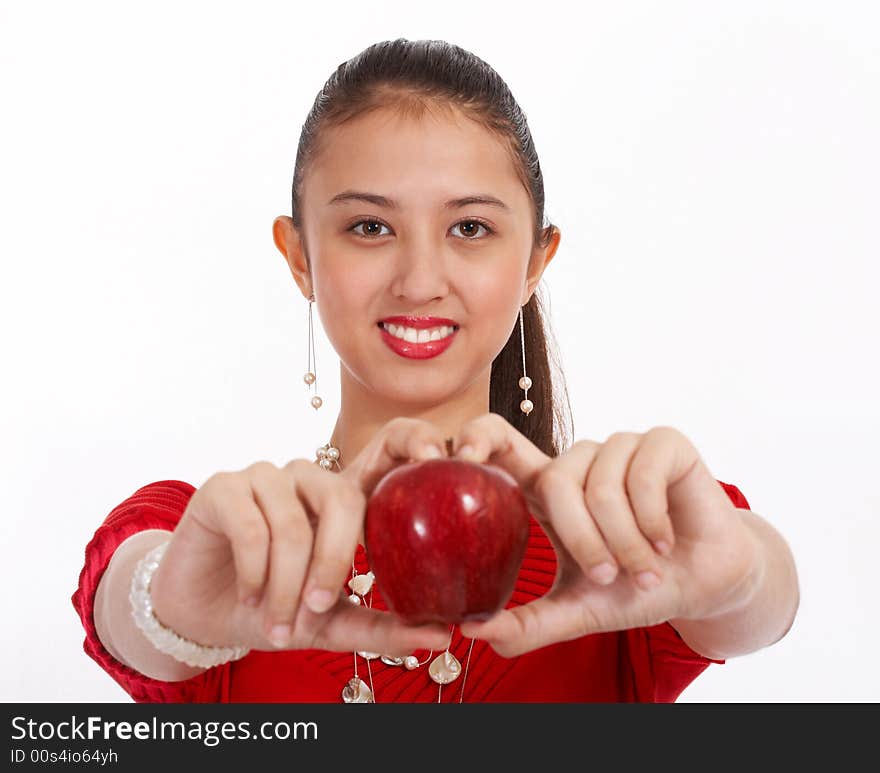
x: 421, y: 275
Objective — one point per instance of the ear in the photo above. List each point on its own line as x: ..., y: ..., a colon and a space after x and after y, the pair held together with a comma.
x: 288, y: 241
x: 540, y: 259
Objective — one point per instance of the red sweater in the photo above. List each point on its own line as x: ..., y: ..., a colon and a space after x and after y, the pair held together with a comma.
x: 651, y: 664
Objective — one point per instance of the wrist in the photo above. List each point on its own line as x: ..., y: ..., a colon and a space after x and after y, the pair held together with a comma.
x: 165, y: 639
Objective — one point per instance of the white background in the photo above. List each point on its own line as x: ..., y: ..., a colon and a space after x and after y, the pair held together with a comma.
x: 713, y: 169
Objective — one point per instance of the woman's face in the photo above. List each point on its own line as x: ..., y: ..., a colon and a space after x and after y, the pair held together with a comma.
x: 414, y: 255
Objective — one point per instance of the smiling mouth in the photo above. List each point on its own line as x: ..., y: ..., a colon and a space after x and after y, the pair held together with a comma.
x: 413, y: 335
x: 428, y: 343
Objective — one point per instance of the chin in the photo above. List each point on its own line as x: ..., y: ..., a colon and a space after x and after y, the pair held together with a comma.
x: 412, y: 391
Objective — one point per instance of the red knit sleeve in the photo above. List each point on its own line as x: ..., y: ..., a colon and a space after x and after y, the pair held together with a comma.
x: 155, y: 506
x: 664, y: 664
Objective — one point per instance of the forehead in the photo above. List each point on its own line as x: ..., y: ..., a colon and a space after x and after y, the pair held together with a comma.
x: 416, y: 160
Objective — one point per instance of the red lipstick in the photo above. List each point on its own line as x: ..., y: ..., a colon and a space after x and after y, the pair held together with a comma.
x: 413, y: 350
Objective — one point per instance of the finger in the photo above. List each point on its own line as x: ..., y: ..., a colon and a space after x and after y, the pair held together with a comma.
x: 566, y: 613
x: 650, y: 470
x: 347, y: 627
x: 289, y: 549
x: 492, y: 438
x: 607, y: 502
x: 536, y: 624
x: 401, y: 440
x: 339, y: 506
x: 560, y: 491
x: 231, y: 509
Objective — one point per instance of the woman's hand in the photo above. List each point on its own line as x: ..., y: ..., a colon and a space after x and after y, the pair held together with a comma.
x: 618, y: 513
x: 251, y: 545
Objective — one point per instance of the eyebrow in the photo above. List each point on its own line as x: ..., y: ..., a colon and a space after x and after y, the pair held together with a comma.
x: 384, y: 201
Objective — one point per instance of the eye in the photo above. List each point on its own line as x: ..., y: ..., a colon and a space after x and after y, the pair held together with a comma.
x: 474, y: 225
x: 370, y: 222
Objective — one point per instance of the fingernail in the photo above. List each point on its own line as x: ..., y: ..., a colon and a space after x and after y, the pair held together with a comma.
x: 647, y: 580
x: 279, y: 635
x: 320, y: 600
x: 432, y: 452
x: 465, y: 451
x: 662, y: 547
x: 603, y: 573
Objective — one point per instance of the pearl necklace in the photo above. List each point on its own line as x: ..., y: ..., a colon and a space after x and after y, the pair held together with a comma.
x: 445, y: 668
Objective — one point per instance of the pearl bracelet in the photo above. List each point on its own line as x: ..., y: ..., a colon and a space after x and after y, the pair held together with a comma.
x: 164, y: 639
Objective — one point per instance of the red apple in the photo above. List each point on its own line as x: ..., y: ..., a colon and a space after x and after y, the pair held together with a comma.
x: 445, y: 539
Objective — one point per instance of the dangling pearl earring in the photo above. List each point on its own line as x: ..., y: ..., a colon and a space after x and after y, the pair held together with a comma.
x: 310, y: 377
x: 525, y: 382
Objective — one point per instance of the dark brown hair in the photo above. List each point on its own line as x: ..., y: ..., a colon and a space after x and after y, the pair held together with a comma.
x: 413, y: 77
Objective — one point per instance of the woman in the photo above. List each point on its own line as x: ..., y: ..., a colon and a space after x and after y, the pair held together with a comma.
x: 417, y: 211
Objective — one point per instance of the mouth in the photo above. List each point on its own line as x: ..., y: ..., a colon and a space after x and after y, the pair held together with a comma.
x: 420, y: 342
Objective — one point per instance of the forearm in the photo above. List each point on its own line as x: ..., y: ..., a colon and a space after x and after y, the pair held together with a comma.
x: 766, y: 612
x: 113, y: 619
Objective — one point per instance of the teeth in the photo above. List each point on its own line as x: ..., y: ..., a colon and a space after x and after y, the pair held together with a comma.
x: 418, y: 336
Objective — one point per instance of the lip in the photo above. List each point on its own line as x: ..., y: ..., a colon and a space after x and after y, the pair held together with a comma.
x: 420, y: 323
x: 416, y: 351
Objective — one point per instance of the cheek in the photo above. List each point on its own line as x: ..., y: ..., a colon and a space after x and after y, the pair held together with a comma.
x: 494, y: 290
x: 490, y: 297
x: 348, y: 292
x: 346, y: 288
